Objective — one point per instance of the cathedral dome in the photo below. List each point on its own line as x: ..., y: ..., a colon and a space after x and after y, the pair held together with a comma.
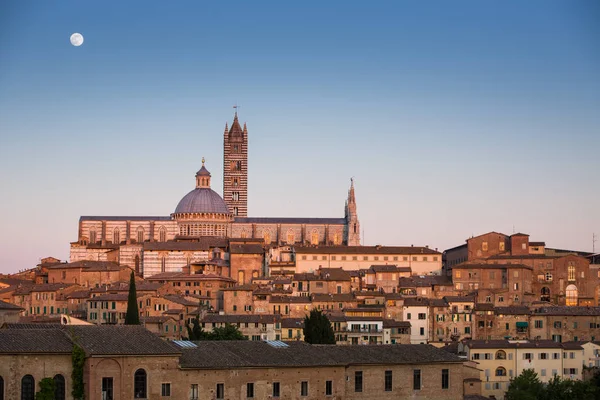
x: 202, y: 200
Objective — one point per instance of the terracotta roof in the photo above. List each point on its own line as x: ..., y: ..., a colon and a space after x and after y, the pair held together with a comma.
x: 287, y: 323
x: 110, y: 297
x: 564, y: 310
x: 385, y: 268
x: 333, y: 297
x: 120, y: 340
x: 333, y: 274
x: 258, y: 354
x: 390, y: 323
x: 242, y: 318
x: 247, y: 287
x: 459, y: 299
x: 50, y: 287
x: 160, y: 319
x: 180, y: 276
x: 80, y: 294
x: 34, y: 341
x: 512, y: 310
x: 510, y: 344
x: 365, y: 250
x: 235, y: 248
x: 9, y: 306
x: 290, y: 299
x: 180, y: 300
x: 424, y: 281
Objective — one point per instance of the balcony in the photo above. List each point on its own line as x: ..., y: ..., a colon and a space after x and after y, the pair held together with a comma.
x: 362, y: 330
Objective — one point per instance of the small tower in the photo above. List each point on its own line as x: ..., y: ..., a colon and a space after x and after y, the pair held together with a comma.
x: 352, y: 223
x: 235, y: 168
x: 203, y: 177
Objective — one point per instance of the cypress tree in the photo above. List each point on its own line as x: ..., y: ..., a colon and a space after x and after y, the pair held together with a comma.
x: 133, y: 315
x: 317, y: 328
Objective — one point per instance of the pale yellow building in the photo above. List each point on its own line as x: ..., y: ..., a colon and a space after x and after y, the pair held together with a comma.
x: 501, y: 360
x: 421, y: 260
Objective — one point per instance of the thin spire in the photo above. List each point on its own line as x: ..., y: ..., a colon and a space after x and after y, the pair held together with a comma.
x: 203, y: 161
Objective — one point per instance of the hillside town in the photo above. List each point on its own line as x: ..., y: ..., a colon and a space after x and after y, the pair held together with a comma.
x: 469, y: 318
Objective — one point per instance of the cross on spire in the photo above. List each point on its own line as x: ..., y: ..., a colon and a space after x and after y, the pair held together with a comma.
x: 235, y: 107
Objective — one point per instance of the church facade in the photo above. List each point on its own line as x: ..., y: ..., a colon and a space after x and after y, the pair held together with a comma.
x: 204, y: 223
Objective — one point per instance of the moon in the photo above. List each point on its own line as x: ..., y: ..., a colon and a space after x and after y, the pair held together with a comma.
x: 77, y: 39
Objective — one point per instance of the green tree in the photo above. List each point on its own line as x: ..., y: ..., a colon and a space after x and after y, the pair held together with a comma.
x: 78, y: 361
x: 46, y: 390
x: 526, y: 386
x: 196, y: 332
x: 317, y: 328
x: 227, y: 332
x: 566, y: 389
x: 133, y: 315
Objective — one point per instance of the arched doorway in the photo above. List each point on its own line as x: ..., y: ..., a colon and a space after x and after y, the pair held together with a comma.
x: 571, y: 295
x: 545, y: 294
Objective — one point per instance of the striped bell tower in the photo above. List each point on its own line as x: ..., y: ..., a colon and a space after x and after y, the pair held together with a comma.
x: 235, y: 168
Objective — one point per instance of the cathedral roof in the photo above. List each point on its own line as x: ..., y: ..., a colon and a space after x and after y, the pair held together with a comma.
x: 203, y: 171
x: 202, y: 200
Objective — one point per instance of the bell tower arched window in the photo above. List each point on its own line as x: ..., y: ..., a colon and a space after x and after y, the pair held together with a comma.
x: 116, y: 236
x: 162, y: 234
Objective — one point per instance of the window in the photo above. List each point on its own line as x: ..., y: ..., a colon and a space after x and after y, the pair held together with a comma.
x: 556, y: 356
x: 445, y: 378
x: 194, y: 391
x: 116, y: 236
x: 388, y: 381
x: 500, y: 371
x: 475, y: 356
x: 538, y: 323
x: 571, y: 272
x: 27, y: 388
x: 422, y: 331
x: 304, y: 388
x: 500, y: 355
x: 543, y: 356
x: 358, y: 384
x: 162, y: 235
x: 422, y: 316
x: 140, y: 234
x: 107, y: 388
x: 416, y: 379
x: 484, y: 246
x: 528, y: 356
x: 1, y: 388
x: 139, y: 384
x: 166, y: 390
x: 276, y: 389
x: 408, y: 316
x: 571, y: 295
x: 328, y: 388
x: 59, y: 387
x: 249, y: 390
x: 220, y: 391
x: 501, y: 246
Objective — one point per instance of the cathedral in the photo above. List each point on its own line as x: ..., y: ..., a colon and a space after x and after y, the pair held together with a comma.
x: 203, y: 224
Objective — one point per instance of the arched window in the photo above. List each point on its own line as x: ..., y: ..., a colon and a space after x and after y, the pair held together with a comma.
x: 162, y: 234
x: 1, y: 388
x: 545, y: 294
x: 244, y: 234
x: 290, y: 237
x: 27, y: 388
x: 59, y: 387
x: 571, y: 295
x: 240, y: 277
x: 571, y: 271
x: 116, y: 236
x: 500, y: 355
x: 136, y: 261
x: 139, y: 384
x: 500, y: 371
x: 314, y: 237
x: 163, y: 264
x: 140, y: 235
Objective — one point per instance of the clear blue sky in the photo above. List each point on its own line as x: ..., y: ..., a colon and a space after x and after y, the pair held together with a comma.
x: 455, y: 118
